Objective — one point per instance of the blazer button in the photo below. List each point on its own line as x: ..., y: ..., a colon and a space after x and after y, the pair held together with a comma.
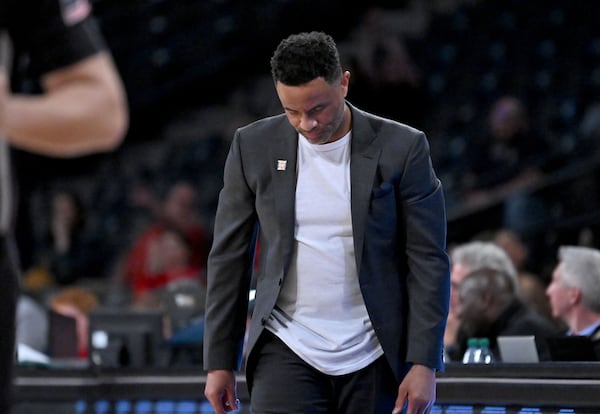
x: 280, y: 281
x: 263, y: 321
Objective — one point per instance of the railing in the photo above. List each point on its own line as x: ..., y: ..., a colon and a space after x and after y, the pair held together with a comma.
x: 499, y: 388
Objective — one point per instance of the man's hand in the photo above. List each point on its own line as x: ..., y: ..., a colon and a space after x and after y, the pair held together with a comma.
x: 220, y: 391
x: 418, y: 390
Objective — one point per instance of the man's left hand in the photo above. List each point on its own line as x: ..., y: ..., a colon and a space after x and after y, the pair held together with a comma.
x: 417, y: 389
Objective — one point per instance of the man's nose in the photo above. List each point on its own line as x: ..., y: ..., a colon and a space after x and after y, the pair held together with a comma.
x: 307, y: 123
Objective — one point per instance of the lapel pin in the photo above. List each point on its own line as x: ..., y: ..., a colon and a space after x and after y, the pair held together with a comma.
x: 281, y: 165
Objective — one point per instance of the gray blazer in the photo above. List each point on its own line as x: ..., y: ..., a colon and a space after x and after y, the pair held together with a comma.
x: 399, y: 226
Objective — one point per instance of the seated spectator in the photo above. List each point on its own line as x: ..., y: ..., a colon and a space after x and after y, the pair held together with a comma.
x: 169, y: 261
x: 464, y: 259
x: 76, y: 302
x: 575, y: 292
x: 531, y: 287
x: 490, y: 307
x: 145, y: 264
x: 68, y: 251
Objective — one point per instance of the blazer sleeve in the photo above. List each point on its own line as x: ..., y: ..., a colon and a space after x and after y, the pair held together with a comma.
x: 229, y: 266
x: 428, y: 279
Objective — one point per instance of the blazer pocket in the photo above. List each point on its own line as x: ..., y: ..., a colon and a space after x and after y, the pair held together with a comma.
x: 382, y: 218
x: 381, y: 191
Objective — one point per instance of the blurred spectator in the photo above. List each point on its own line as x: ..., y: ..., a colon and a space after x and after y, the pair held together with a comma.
x: 531, y: 287
x: 503, y: 163
x: 156, y: 258
x: 76, y: 302
x: 508, y: 156
x: 490, y: 307
x: 575, y: 292
x: 143, y: 200
x: 467, y: 258
x: 68, y: 250
x: 171, y: 256
x: 169, y: 260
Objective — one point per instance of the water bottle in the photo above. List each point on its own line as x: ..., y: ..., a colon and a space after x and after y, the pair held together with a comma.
x: 472, y: 350
x: 484, y: 356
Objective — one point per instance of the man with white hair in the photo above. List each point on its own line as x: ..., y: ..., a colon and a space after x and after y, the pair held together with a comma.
x: 466, y: 258
x: 575, y: 292
x: 490, y: 307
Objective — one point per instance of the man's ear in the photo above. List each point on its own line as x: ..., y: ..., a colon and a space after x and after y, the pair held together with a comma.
x: 345, y: 82
x: 574, y: 295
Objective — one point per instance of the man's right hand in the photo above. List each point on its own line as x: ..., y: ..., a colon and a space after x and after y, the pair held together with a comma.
x: 220, y: 391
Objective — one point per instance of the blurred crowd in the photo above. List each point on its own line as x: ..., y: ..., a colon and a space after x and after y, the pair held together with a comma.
x: 141, y: 220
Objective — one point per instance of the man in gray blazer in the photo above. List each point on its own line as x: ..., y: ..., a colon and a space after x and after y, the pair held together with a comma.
x: 352, y: 278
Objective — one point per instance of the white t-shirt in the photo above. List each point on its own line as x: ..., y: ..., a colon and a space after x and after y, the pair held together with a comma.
x: 320, y: 313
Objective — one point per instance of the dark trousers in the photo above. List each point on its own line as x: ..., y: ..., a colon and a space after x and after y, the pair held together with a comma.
x: 280, y: 382
x: 8, y: 303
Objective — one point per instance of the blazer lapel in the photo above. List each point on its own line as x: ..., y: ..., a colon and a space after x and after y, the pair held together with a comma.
x: 363, y: 167
x: 284, y: 156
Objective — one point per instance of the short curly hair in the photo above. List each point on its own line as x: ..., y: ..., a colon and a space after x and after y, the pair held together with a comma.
x: 302, y: 57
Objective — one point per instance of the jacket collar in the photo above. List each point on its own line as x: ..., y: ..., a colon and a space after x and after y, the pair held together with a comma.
x: 363, y: 167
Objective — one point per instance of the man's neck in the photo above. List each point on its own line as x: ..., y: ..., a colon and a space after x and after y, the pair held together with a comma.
x: 583, y: 318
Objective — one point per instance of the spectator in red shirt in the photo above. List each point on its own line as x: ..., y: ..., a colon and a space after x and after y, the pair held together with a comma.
x: 174, y: 243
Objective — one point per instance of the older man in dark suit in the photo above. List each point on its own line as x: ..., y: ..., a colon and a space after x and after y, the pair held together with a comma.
x: 352, y: 282
x: 574, y: 294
